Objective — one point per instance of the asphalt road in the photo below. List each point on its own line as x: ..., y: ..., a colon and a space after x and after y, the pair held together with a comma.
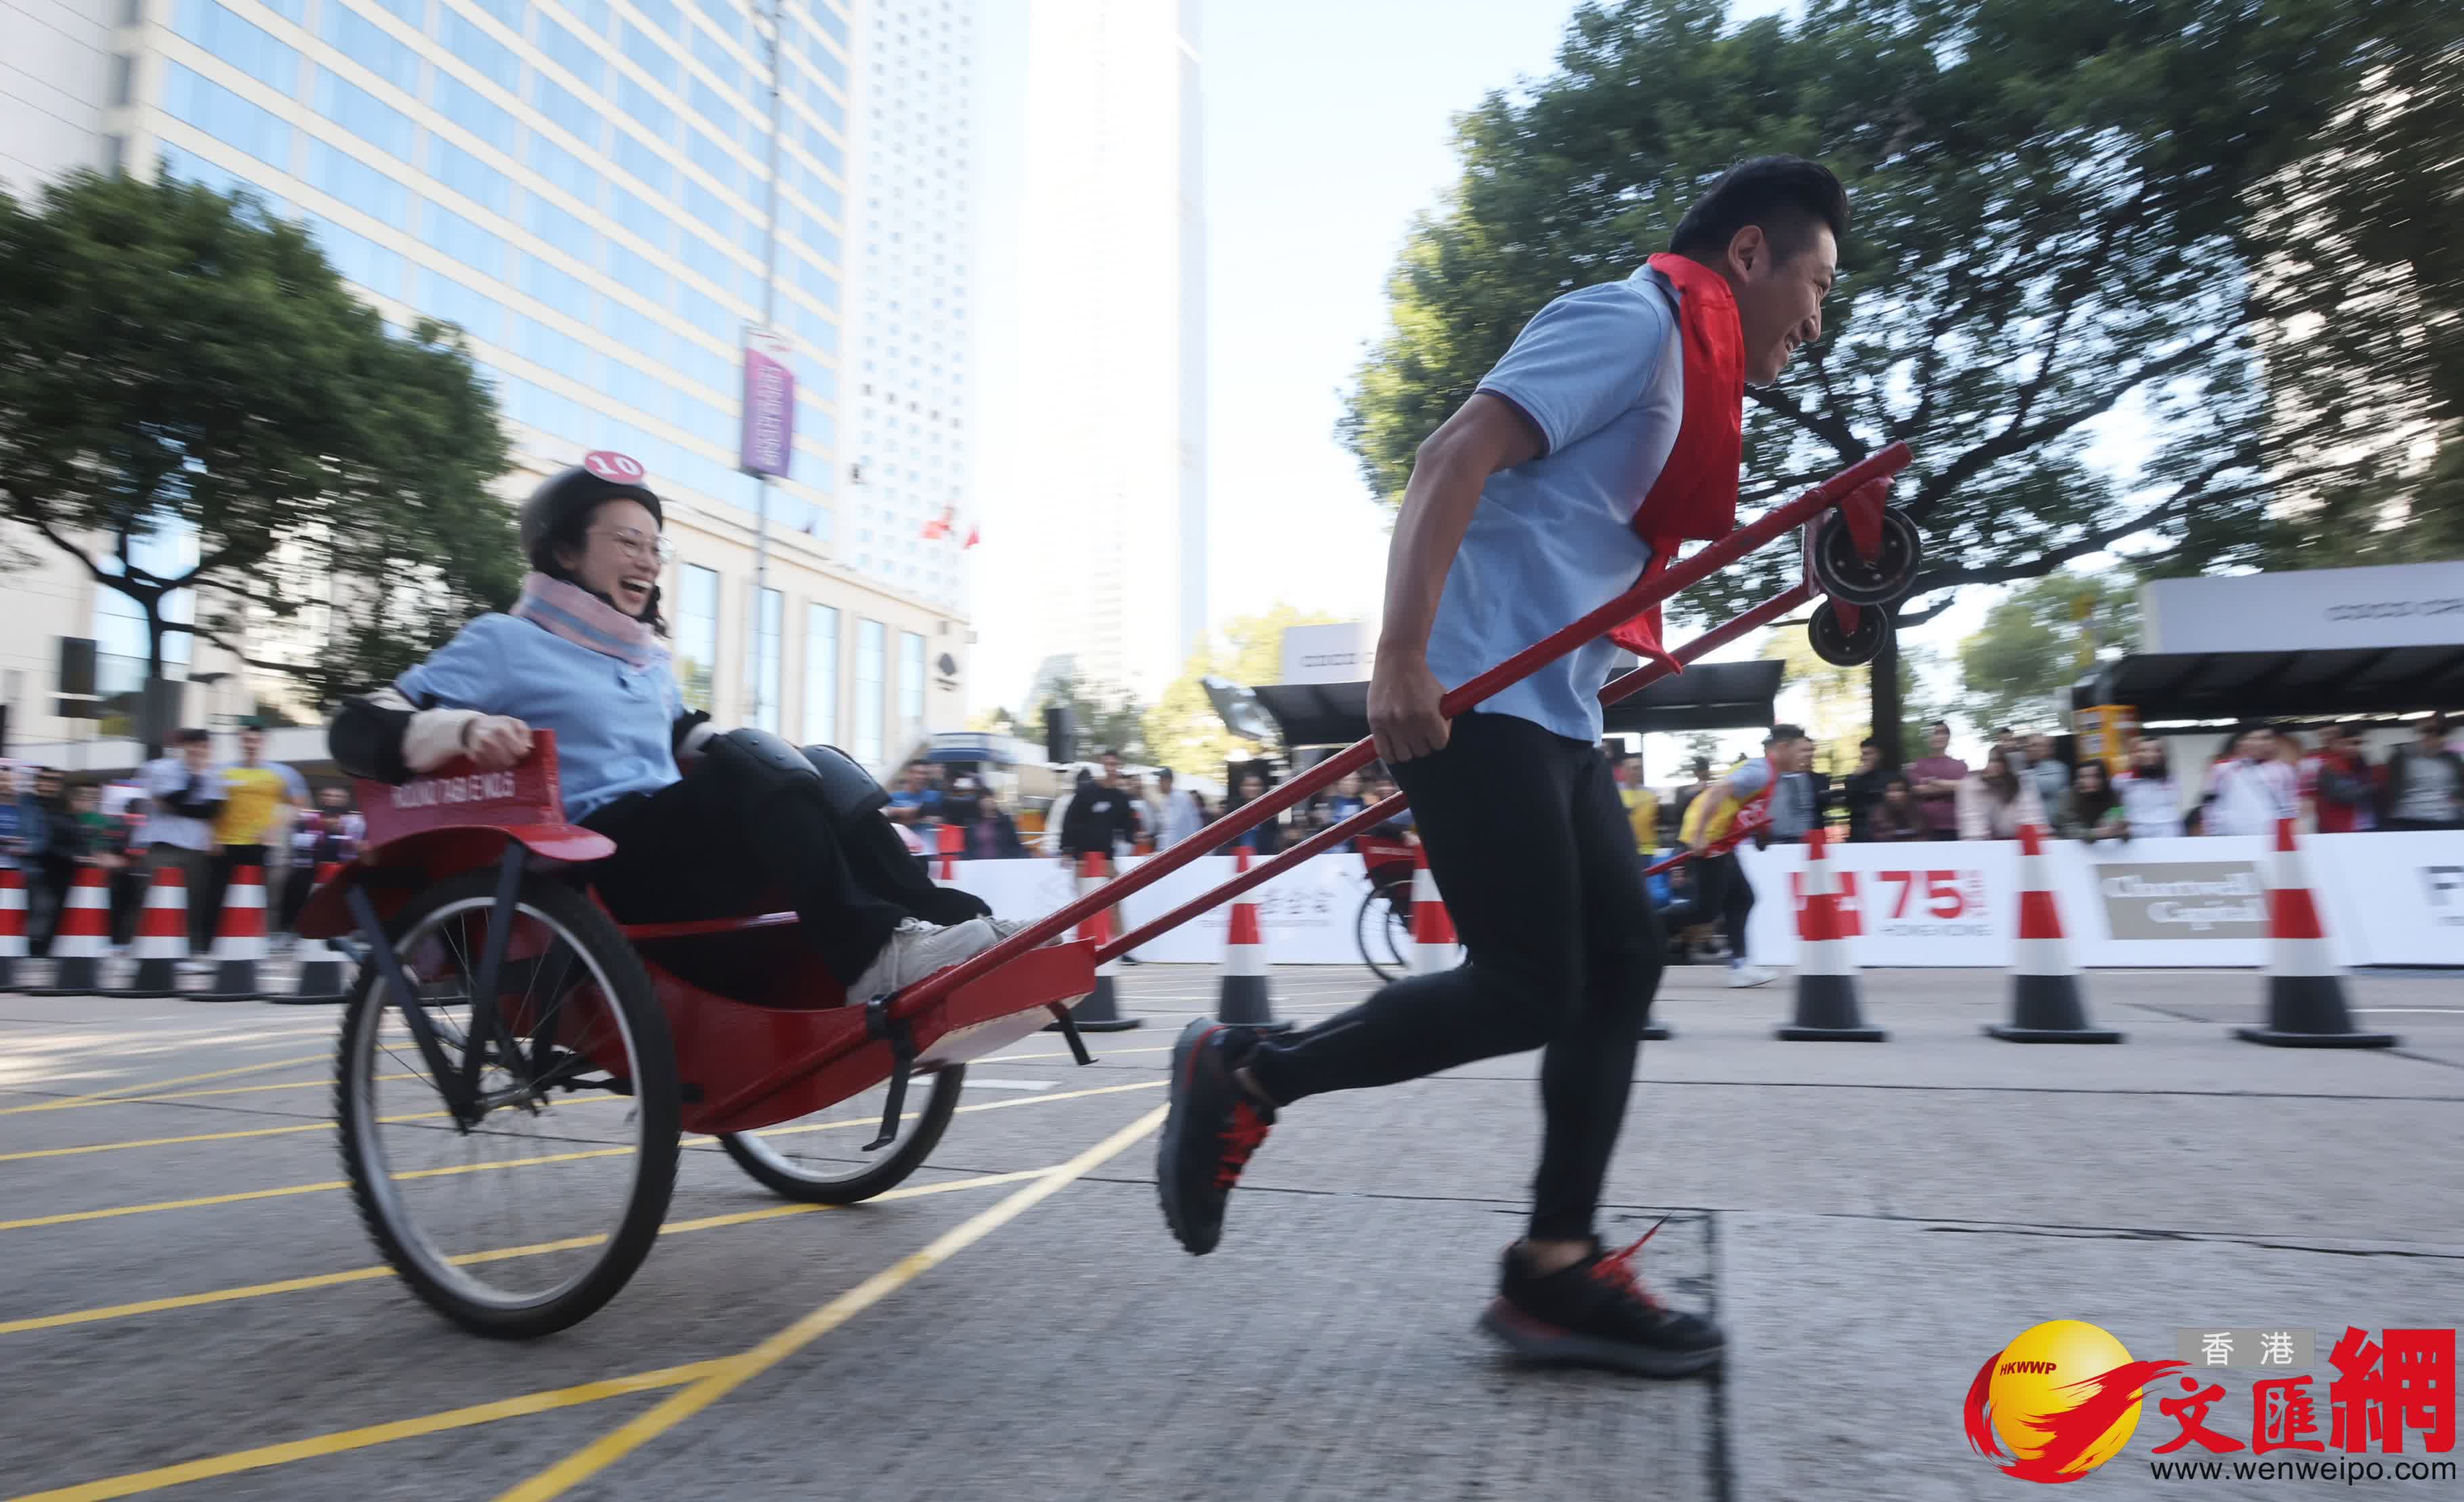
x: 188, y: 1304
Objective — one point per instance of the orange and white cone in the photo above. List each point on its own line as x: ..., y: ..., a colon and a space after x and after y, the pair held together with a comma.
x: 12, y: 925
x: 322, y: 978
x: 161, y: 937
x: 239, y: 940
x: 952, y: 843
x: 1244, y: 999
x: 2046, y: 1006
x: 1827, y: 1009
x: 82, y: 938
x: 2305, y: 991
x: 1100, y: 1009
x: 1435, y: 948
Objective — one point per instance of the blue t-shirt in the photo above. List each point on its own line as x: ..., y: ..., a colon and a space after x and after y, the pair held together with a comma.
x: 1599, y: 374
x: 614, y: 723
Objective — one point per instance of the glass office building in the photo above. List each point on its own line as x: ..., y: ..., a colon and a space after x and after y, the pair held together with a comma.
x: 583, y: 186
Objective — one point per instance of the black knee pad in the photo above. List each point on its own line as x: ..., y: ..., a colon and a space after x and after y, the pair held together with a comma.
x: 849, y: 788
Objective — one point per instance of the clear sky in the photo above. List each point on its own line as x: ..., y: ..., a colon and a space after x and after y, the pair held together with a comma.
x: 1330, y: 125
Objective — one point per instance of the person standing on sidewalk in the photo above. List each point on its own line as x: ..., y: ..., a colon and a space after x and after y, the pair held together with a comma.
x: 260, y: 798
x: 1936, y: 775
x: 1606, y: 433
x: 188, y: 796
x: 2425, y: 781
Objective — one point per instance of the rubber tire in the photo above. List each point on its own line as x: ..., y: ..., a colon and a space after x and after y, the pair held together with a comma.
x: 1360, y: 932
x: 902, y: 1160
x: 1835, y: 645
x: 1845, y: 576
x: 655, y: 1092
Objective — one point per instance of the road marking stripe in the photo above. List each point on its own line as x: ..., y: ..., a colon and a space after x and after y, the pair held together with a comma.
x: 736, y: 1371
x: 345, y: 1440
x: 325, y: 1280
x: 183, y: 1079
x: 76, y: 1217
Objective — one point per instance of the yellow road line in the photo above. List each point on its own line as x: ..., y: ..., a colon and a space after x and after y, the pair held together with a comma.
x: 345, y: 1440
x: 326, y: 1083
x: 76, y: 1217
x: 325, y: 1280
x: 237, y: 1133
x: 103, y: 1095
x: 717, y: 1381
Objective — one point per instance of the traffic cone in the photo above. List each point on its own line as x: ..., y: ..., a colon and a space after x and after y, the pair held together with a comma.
x: 239, y: 940
x: 1244, y: 998
x: 953, y: 842
x: 1435, y: 948
x: 1100, y: 1010
x: 12, y: 925
x: 2045, y: 1001
x: 81, y: 939
x: 1827, y: 1009
x: 2305, y: 993
x: 161, y: 937
x: 323, y: 980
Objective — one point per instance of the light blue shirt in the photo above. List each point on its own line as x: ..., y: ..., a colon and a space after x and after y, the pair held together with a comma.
x: 613, y: 724
x: 1599, y: 373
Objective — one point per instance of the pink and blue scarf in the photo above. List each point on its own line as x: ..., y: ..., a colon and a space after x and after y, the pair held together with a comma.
x: 566, y: 609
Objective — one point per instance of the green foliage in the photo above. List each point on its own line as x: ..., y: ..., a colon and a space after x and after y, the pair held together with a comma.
x: 1838, y: 707
x: 1184, y: 731
x: 2038, y: 639
x: 1108, y: 716
x: 168, y: 351
x: 2053, y: 203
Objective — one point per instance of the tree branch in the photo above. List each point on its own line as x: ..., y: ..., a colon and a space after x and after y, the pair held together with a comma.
x: 2018, y: 439
x: 2079, y: 276
x: 107, y: 580
x: 1829, y: 428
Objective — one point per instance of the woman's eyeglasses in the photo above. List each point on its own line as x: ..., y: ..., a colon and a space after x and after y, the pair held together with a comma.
x: 639, y: 546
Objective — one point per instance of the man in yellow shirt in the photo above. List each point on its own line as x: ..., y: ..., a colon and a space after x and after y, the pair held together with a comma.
x: 258, y: 801
x: 1641, y: 804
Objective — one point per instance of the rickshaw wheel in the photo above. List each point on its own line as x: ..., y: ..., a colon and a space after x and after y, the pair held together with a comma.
x: 1845, y: 575
x: 836, y: 1170
x: 526, y: 1219
x: 1384, y: 932
x: 1837, y: 644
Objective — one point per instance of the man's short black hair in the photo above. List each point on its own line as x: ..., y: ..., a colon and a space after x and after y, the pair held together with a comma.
x: 1163, y: 775
x: 1869, y: 743
x: 1942, y: 725
x: 193, y: 736
x: 1787, y: 196
x: 1701, y: 766
x: 1780, y: 733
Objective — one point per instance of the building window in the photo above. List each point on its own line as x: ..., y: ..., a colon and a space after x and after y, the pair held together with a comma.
x: 696, y: 635
x: 769, y: 607
x: 821, y: 675
x: 868, y: 694
x: 910, y: 690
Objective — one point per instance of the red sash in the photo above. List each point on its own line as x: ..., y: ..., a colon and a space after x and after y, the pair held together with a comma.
x: 1696, y: 494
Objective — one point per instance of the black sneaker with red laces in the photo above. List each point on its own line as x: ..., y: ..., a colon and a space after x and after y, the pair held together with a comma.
x: 1596, y: 1313
x: 1209, y: 1131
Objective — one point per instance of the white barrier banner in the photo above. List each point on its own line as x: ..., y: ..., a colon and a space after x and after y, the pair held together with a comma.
x: 1306, y: 914
x: 2387, y: 899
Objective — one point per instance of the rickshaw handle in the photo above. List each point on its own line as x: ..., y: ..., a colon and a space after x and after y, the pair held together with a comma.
x: 1646, y: 593
x: 1624, y: 686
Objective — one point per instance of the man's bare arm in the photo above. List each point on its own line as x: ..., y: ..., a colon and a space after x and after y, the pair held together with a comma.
x: 1486, y: 434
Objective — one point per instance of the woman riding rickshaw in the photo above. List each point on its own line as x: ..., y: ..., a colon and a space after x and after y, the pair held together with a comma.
x: 707, y: 824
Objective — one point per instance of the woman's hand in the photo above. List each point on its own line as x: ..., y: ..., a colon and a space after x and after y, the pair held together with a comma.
x: 496, y: 742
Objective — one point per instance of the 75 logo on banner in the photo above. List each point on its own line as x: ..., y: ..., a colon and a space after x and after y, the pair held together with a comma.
x: 1942, y: 896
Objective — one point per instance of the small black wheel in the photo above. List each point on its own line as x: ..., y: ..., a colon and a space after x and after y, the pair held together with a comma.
x: 1844, y: 575
x: 1384, y: 929
x: 1837, y: 644
x: 575, y: 1069
x: 821, y: 1159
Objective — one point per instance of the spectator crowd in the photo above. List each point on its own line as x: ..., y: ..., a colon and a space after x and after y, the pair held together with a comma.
x: 206, y: 819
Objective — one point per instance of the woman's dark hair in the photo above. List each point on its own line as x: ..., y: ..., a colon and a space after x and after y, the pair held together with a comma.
x: 1788, y: 196
x: 1899, y: 781
x: 2092, y: 807
x: 568, y: 536
x: 1999, y: 780
x: 2163, y: 762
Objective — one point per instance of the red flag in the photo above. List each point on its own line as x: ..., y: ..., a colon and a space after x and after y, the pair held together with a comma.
x: 936, y: 529
x: 974, y: 535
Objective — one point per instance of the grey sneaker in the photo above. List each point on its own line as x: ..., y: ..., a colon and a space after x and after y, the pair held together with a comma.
x: 915, y: 949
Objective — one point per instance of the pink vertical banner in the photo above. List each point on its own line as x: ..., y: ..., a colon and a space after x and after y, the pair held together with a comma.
x: 768, y: 435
